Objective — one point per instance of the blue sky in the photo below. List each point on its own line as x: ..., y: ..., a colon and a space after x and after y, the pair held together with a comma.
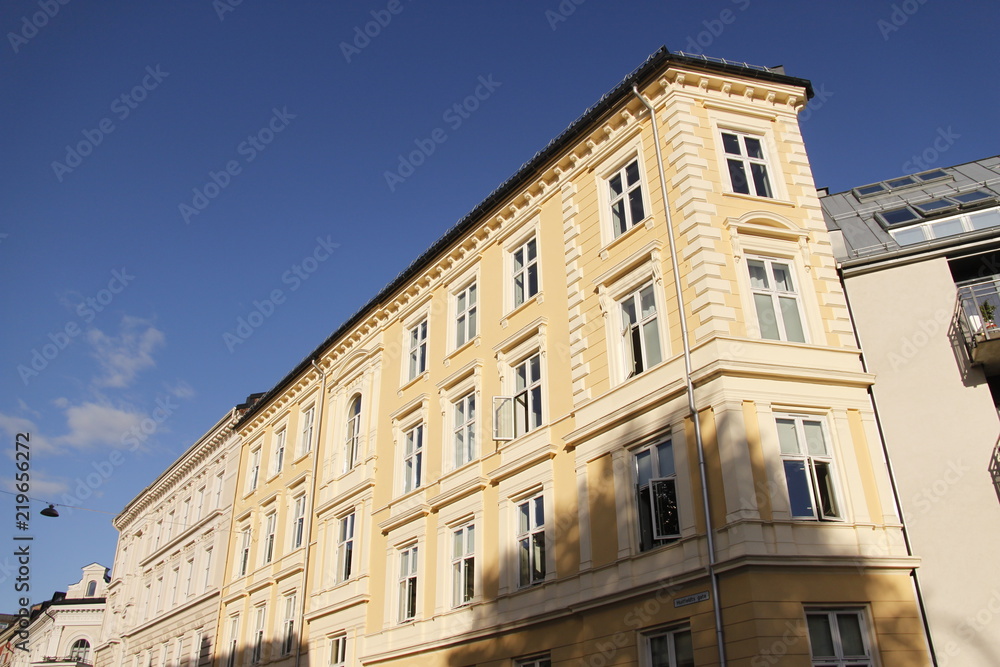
x: 168, y: 168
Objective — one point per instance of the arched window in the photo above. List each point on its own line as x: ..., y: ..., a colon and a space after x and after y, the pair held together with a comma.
x: 352, y: 442
x: 91, y: 589
x: 81, y: 648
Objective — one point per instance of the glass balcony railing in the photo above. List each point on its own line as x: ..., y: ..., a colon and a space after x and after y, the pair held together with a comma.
x: 979, y: 319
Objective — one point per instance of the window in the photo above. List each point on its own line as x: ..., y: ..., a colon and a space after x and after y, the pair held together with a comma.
x: 219, y: 483
x: 245, y: 552
x: 200, y: 504
x: 418, y: 349
x: 513, y: 416
x: 671, y: 649
x: 808, y: 467
x: 776, y: 300
x: 159, y: 594
x: 186, y: 520
x: 188, y: 577
x: 407, y: 584
x: 257, y: 648
x: 170, y: 525
x: 91, y: 589
x: 147, y: 598
x: 897, y: 216
x: 270, y: 524
x: 353, y: 440
x: 640, y: 331
x: 159, y: 534
x: 837, y: 638
x: 338, y: 651
x: 535, y: 661
x: 175, y: 580
x: 196, y: 649
x: 464, y: 434
x: 279, y: 451
x: 345, y: 548
x: 531, y: 541
x: 463, y: 565
x: 80, y: 650
x: 254, y: 473
x: 625, y: 192
x: 234, y: 630
x: 307, y: 431
x: 299, y: 522
x: 747, y: 165
x: 525, y: 271
x: 413, y: 458
x: 178, y: 648
x: 288, y: 627
x: 208, y: 569
x: 465, y: 315
x: 656, y: 495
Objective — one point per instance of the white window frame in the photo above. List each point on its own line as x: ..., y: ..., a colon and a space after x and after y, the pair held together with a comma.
x: 220, y: 483
x: 466, y: 320
x: 234, y: 639
x: 346, y: 526
x: 257, y: 642
x: 352, y: 440
x: 178, y: 650
x: 840, y: 660
x: 811, y: 464
x: 306, y: 433
x: 176, y: 580
x: 288, y: 625
x: 610, y: 199
x: 189, y: 579
x: 280, y: 438
x: 186, y: 506
x: 671, y: 635
x: 747, y: 162
x: 338, y: 651
x: 200, y: 506
x: 298, y: 521
x: 412, y: 460
x: 512, y: 415
x: 658, y: 480
x: 465, y: 414
x: 208, y: 568
x: 270, y: 526
x: 529, y: 266
x: 633, y: 365
x: 527, y: 535
x: 775, y: 295
x: 541, y: 660
x: 416, y: 348
x: 253, y: 474
x: 408, y: 592
x: 463, y: 565
x: 244, y: 552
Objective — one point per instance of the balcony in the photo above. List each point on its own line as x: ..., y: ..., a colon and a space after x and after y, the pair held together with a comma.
x: 66, y: 661
x: 978, y: 312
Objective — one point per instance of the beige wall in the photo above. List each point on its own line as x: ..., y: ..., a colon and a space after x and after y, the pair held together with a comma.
x: 941, y: 428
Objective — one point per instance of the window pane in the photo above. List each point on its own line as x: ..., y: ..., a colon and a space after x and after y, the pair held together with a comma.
x: 616, y: 185
x: 765, y: 317
x: 683, y: 649
x: 758, y: 274
x: 523, y: 514
x: 815, y: 440
x: 665, y: 459
x: 659, y: 649
x: 644, y: 466
x: 760, y: 181
x: 632, y: 172
x: 532, y: 249
x: 850, y: 635
x: 536, y: 407
x: 754, y: 149
x: 947, y: 228
x: 731, y: 143
x: 532, y: 280
x: 539, y: 512
x: 824, y: 482
x: 538, y: 557
x: 915, y: 234
x: 646, y: 540
x: 524, y: 560
x: 799, y: 497
x: 820, y: 636
x: 618, y: 217
x: 647, y: 301
x: 985, y: 219
x: 793, y: 323
x: 457, y: 548
x: 739, y: 177
x: 635, y: 206
x: 666, y: 523
x: 782, y: 278
x: 628, y: 311
x: 652, y: 338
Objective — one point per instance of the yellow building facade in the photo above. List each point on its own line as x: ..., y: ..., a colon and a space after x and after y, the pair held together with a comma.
x: 497, y: 462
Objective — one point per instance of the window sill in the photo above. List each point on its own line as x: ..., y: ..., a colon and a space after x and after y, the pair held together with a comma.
x: 646, y: 223
x: 539, y: 296
x: 772, y: 200
x: 473, y: 342
x: 409, y: 383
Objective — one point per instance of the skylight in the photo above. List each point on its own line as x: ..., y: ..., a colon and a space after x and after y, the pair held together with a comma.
x: 932, y: 175
x: 900, y: 182
x: 934, y: 206
x: 866, y: 190
x: 897, y: 216
x: 972, y: 197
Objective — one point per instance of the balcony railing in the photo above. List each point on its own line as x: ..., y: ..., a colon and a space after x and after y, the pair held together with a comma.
x: 979, y: 319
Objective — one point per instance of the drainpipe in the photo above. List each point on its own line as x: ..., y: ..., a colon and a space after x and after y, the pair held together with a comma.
x: 311, y: 502
x: 713, y: 575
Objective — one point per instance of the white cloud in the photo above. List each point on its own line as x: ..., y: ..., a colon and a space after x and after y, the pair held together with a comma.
x: 94, y: 424
x: 42, y: 486
x: 181, y: 389
x: 122, y: 357
x: 12, y: 425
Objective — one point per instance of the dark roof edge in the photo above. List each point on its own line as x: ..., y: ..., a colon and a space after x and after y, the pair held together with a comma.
x: 640, y: 75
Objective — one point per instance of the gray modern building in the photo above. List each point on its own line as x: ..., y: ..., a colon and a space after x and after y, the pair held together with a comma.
x: 919, y: 256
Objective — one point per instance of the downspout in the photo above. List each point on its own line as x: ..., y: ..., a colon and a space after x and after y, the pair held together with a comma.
x: 311, y: 502
x: 713, y: 575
